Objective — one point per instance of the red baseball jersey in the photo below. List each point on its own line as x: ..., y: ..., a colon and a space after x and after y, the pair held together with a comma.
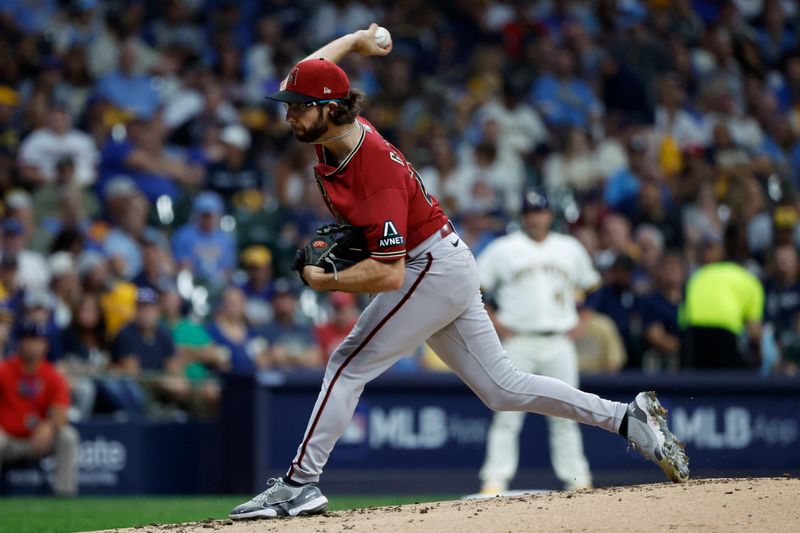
x: 25, y: 399
x: 378, y: 191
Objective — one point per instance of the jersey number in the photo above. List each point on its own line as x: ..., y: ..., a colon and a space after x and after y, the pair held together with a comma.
x: 412, y: 173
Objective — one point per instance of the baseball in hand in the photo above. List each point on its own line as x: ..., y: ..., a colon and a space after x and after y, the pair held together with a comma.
x: 382, y: 37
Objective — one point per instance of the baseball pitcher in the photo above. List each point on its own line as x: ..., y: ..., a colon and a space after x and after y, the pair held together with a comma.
x: 534, y: 275
x: 426, y: 284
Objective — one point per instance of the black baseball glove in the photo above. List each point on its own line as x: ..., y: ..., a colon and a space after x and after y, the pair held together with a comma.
x: 335, y: 248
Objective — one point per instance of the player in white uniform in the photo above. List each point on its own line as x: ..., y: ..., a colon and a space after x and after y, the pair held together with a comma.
x: 534, y: 275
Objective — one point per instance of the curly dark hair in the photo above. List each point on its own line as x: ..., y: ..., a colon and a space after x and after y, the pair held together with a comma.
x: 348, y: 109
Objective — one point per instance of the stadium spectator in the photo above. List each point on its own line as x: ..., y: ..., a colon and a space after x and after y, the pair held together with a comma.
x: 660, y: 331
x: 144, y: 350
x: 37, y: 306
x: 563, y: 99
x: 10, y: 292
x: 723, y: 301
x: 332, y: 332
x: 201, y: 246
x: 574, y: 167
x: 6, y: 326
x: 782, y: 290
x: 32, y: 272
x: 158, y: 266
x: 127, y: 89
x: 617, y: 300
x: 650, y: 243
x: 291, y: 343
x: 65, y: 287
x: 34, y: 399
x: 258, y: 290
x: 142, y: 156
x: 598, y: 344
x: 122, y: 243
x: 244, y: 348
x: 195, y: 348
x: 117, y: 297
x: 87, y: 358
x: 674, y: 123
x: 41, y: 151
x: 235, y: 172
x: 62, y: 203
x: 623, y: 185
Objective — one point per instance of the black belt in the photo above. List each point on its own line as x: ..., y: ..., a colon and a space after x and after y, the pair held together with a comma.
x: 541, y: 333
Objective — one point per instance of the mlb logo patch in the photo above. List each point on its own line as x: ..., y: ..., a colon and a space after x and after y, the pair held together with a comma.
x: 319, y: 244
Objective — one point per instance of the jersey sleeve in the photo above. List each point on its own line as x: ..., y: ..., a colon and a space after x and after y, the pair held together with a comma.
x: 754, y: 311
x: 384, y: 219
x: 587, y: 279
x: 60, y: 390
x: 486, y: 268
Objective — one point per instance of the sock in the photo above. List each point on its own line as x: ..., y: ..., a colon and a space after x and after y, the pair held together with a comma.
x: 623, y: 427
x: 292, y: 483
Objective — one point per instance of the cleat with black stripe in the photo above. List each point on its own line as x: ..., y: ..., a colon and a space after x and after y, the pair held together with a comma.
x: 649, y: 435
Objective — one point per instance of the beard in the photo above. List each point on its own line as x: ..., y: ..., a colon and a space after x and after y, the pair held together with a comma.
x: 313, y: 132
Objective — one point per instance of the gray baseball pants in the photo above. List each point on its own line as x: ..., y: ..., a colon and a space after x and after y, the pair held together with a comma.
x: 440, y: 302
x: 65, y: 452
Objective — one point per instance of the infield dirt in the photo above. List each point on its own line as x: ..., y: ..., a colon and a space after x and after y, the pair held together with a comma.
x: 739, y: 504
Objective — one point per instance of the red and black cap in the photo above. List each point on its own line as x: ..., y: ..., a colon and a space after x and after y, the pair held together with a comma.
x: 313, y: 80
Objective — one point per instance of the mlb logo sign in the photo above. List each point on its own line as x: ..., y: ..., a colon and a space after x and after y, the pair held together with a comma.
x: 319, y: 244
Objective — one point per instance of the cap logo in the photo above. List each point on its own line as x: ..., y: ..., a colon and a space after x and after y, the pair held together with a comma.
x: 325, y: 90
x: 291, y: 79
x: 319, y: 244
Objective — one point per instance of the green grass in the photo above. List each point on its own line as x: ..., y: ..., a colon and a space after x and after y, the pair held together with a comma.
x: 45, y: 515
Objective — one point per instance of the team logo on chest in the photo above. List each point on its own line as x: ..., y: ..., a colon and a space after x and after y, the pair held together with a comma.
x: 390, y: 236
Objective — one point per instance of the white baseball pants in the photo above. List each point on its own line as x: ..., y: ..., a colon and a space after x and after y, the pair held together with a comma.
x: 552, y: 356
x: 439, y: 302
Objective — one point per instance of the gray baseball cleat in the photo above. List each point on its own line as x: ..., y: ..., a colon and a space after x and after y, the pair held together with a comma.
x: 649, y: 435
x: 281, y: 499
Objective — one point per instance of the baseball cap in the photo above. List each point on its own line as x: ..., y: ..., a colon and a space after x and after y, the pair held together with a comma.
x: 235, y: 135
x: 61, y: 263
x: 785, y: 216
x: 37, y: 299
x: 8, y: 96
x: 534, y: 201
x: 120, y: 186
x: 313, y: 80
x: 256, y: 255
x: 18, y: 199
x: 88, y: 260
x: 624, y: 262
x: 146, y: 295
x: 208, y: 202
x: 31, y: 328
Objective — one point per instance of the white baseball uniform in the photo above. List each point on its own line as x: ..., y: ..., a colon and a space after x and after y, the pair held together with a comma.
x: 534, y: 285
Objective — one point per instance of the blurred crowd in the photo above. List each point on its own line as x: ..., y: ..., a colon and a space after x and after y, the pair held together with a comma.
x: 153, y: 199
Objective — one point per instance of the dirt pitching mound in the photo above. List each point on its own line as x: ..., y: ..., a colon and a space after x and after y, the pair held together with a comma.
x: 751, y: 504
